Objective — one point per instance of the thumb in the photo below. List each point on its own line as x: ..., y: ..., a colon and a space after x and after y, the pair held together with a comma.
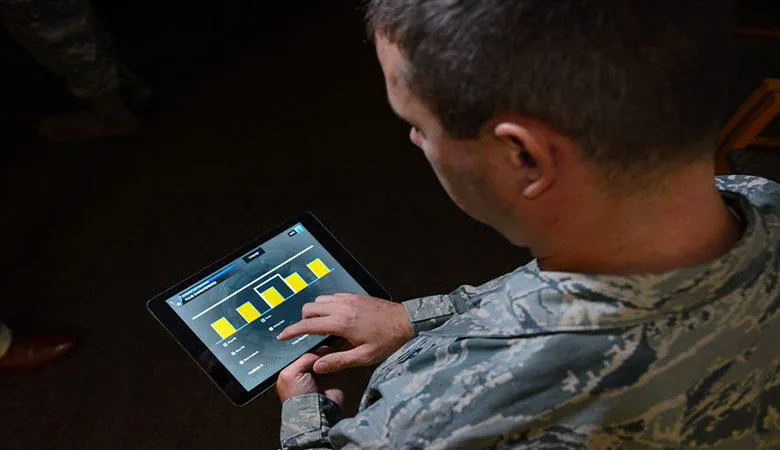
x: 336, y: 362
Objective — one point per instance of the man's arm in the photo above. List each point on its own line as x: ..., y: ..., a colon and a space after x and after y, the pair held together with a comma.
x: 307, y: 420
x: 473, y: 392
x: 374, y: 327
x: 430, y: 312
x: 310, y: 406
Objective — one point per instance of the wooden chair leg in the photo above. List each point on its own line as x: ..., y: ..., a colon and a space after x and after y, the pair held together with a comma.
x: 743, y: 128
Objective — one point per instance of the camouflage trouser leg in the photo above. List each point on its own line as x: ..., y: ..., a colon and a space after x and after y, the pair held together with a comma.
x: 64, y: 36
x: 5, y: 339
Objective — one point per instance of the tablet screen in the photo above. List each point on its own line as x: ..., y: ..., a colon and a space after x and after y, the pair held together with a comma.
x: 239, y: 309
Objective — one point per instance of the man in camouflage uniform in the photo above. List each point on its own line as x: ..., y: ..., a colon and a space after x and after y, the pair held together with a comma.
x: 649, y: 318
x: 65, y: 37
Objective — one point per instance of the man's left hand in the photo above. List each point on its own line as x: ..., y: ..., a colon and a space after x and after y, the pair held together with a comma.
x: 298, y: 378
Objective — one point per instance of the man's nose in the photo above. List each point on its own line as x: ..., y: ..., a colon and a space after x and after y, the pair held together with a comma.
x: 415, y: 137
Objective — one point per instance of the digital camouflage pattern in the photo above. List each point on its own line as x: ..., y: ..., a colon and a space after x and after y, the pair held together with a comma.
x: 65, y: 37
x: 550, y: 360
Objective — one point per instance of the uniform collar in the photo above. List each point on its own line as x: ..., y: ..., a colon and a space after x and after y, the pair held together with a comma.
x: 531, y: 301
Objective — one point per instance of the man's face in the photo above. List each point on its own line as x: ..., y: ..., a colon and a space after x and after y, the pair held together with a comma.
x: 464, y: 167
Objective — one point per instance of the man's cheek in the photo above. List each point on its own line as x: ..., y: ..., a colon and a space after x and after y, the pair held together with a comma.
x: 438, y: 159
x: 456, y: 189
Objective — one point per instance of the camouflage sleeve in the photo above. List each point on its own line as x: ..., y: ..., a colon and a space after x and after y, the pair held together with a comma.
x: 430, y: 312
x: 65, y: 37
x: 307, y: 420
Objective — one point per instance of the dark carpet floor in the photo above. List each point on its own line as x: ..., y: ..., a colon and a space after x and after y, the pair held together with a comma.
x: 254, y: 124
x: 259, y: 116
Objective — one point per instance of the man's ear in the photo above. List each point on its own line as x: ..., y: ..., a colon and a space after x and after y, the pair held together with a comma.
x: 532, y: 155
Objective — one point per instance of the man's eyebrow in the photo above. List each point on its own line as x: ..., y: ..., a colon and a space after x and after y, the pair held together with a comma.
x: 392, y: 107
x: 396, y: 112
x: 407, y: 120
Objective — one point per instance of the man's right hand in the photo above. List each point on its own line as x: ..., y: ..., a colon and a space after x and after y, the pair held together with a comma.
x: 374, y: 327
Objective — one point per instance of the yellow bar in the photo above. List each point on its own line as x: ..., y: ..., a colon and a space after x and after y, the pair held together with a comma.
x: 223, y: 328
x: 318, y: 268
x: 296, y: 283
x: 248, y: 312
x: 272, y: 297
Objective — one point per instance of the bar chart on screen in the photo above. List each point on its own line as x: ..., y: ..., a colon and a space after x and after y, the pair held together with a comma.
x: 272, y: 291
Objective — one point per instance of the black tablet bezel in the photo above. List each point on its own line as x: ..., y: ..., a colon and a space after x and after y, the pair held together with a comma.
x: 199, y: 352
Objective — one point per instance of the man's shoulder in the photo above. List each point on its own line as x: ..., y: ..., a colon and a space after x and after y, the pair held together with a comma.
x: 760, y: 192
x: 519, y: 282
x: 759, y: 199
x: 524, y: 302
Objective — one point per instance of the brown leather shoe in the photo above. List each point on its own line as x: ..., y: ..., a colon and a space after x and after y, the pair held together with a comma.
x: 37, y: 350
x: 88, y: 124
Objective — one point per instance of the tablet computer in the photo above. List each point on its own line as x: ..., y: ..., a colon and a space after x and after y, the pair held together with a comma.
x: 227, y: 316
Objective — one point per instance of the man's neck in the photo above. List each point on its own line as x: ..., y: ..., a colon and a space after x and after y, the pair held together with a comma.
x: 681, y: 223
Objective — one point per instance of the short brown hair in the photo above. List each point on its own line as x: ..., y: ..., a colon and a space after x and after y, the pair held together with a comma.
x: 637, y: 84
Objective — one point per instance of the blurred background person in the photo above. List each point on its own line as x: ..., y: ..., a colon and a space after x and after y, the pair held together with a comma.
x: 65, y: 37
